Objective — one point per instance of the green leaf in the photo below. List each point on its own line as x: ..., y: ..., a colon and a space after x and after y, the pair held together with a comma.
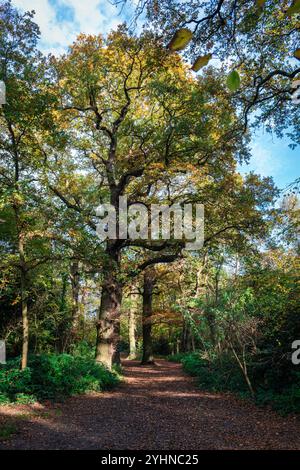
x: 294, y: 8
x: 201, y: 61
x: 233, y: 81
x: 180, y: 39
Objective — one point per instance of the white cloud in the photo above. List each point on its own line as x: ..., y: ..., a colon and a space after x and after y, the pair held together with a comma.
x: 94, y: 16
x: 91, y: 17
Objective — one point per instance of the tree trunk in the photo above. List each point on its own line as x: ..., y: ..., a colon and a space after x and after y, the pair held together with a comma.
x: 147, y: 317
x: 211, y: 320
x: 116, y: 355
x: 244, y: 369
x: 183, y: 337
x: 24, y: 304
x: 23, y: 286
x: 75, y: 283
x: 193, y: 341
x: 25, y: 321
x: 187, y: 339
x: 83, y: 308
x: 109, y: 314
x: 132, y: 327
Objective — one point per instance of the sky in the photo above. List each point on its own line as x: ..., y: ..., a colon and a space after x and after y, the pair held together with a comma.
x: 60, y: 21
x: 273, y: 157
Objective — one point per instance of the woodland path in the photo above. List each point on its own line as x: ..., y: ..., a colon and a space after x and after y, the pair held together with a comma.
x: 157, y: 407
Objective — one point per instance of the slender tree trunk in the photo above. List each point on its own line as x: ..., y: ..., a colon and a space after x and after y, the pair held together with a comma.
x: 243, y: 365
x: 23, y: 282
x: 147, y: 317
x: 21, y: 251
x: 117, y: 355
x: 63, y: 325
x: 184, y: 337
x: 210, y: 317
x: 109, y: 314
x: 200, y: 292
x: 83, y: 308
x: 25, y: 321
x: 24, y: 304
x: 187, y: 339
x: 75, y: 283
x: 193, y: 342
x: 132, y: 327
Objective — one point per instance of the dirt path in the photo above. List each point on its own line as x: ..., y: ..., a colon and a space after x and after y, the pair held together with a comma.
x: 157, y: 407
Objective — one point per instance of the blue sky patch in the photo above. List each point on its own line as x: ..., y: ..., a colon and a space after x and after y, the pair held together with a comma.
x: 63, y: 12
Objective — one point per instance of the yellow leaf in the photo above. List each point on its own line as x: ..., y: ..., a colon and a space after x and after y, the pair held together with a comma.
x: 297, y: 53
x: 180, y: 39
x: 202, y: 61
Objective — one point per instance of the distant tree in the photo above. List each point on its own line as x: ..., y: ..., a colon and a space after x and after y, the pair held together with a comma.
x: 22, y: 122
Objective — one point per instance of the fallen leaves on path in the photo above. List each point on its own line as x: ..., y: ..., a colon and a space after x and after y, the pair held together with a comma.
x: 157, y: 407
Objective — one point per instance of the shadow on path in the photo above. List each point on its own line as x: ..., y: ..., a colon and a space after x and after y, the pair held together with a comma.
x: 156, y: 407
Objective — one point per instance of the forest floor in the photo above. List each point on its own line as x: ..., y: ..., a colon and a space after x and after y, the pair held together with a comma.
x: 157, y: 407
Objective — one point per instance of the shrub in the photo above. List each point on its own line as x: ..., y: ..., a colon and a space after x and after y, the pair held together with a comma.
x: 218, y: 374
x: 4, y: 399
x: 176, y: 357
x: 50, y: 376
x: 286, y: 401
x: 222, y: 374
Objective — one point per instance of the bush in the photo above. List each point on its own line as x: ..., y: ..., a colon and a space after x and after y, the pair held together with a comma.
x: 222, y: 374
x: 215, y: 375
x: 176, y: 357
x: 212, y: 375
x: 83, y: 349
x: 286, y: 401
x: 13, y: 381
x: 50, y: 376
